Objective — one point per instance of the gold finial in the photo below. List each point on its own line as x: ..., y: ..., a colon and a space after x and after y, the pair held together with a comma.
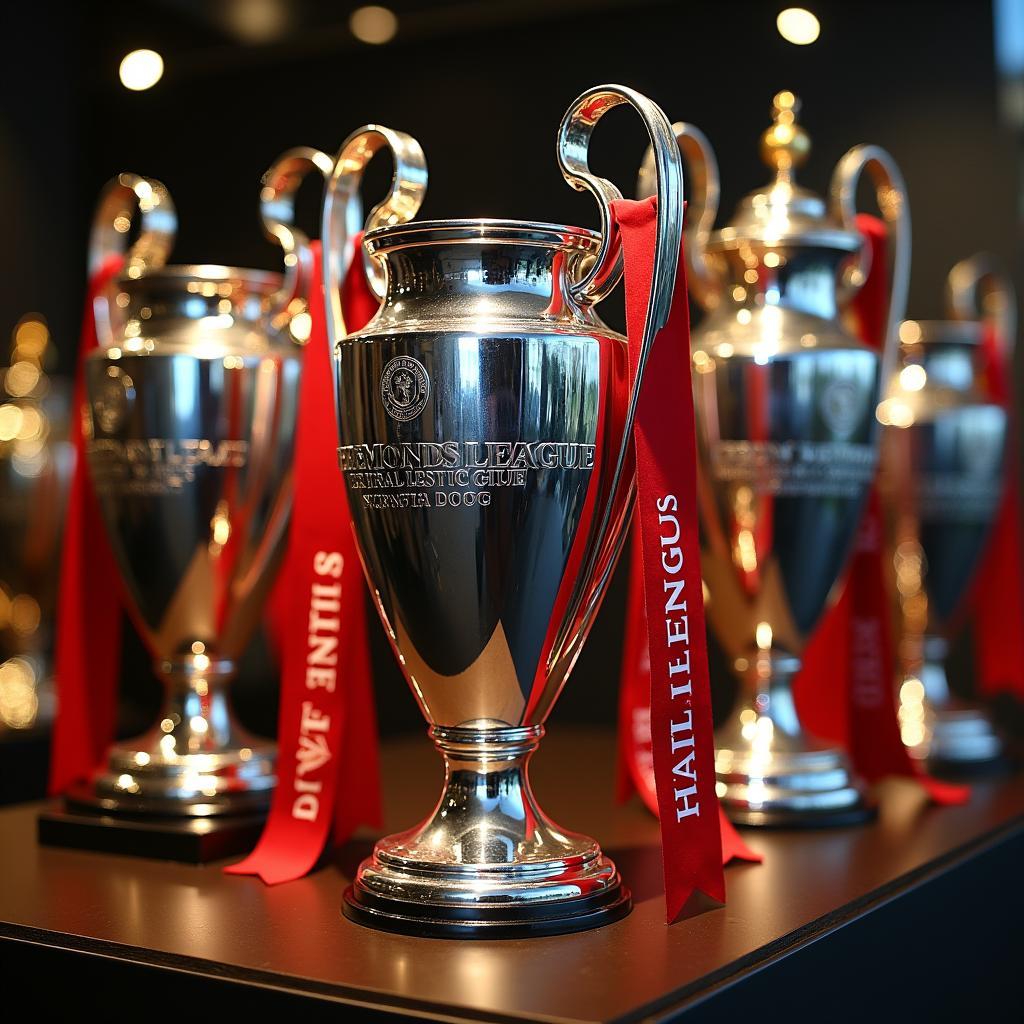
x: 785, y: 145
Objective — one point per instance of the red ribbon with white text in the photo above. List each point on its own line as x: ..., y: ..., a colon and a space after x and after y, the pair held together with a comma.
x: 635, y: 773
x: 682, y: 744
x: 327, y: 751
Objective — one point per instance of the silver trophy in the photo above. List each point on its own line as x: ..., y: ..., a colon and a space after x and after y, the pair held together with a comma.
x: 190, y: 430
x: 785, y: 401
x: 485, y: 422
x: 943, y: 468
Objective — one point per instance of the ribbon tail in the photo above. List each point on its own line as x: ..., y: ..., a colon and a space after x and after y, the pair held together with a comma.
x: 733, y: 845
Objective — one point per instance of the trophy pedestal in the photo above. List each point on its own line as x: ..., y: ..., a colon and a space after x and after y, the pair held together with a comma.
x: 771, y: 773
x: 85, y: 821
x: 192, y: 808
x: 957, y: 738
x: 487, y: 863
x: 795, y: 788
x: 961, y: 741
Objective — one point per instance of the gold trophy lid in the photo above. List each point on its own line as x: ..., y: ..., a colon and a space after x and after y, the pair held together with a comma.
x: 783, y: 213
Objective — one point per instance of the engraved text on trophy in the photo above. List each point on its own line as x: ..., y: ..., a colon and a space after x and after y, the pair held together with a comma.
x: 158, y: 465
x: 451, y: 473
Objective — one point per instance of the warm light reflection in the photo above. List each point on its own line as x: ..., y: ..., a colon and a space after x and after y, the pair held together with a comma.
x: 763, y: 636
x: 21, y: 378
x: 894, y: 412
x: 910, y: 332
x: 301, y: 326
x: 374, y: 25
x: 19, y: 702
x: 798, y: 26
x: 141, y: 69
x: 911, y: 712
x: 913, y: 377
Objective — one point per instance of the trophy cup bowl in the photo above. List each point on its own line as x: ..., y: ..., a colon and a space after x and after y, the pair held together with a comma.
x: 943, y: 465
x: 785, y: 400
x: 481, y: 413
x: 189, y: 432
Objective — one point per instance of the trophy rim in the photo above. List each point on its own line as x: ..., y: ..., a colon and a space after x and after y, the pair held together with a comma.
x: 262, y: 282
x: 481, y: 229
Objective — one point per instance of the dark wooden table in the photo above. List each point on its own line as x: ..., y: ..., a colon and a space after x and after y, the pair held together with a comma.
x: 922, y: 910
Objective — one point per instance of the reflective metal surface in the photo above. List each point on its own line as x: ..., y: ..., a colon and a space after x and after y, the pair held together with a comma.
x: 483, y: 420
x: 190, y: 429
x: 944, y: 453
x: 785, y: 401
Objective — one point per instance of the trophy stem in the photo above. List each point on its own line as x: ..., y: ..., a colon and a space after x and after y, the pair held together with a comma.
x: 770, y: 771
x: 197, y: 761
x: 487, y: 862
x: 953, y: 736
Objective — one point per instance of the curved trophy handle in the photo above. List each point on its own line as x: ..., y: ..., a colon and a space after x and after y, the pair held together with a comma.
x: 277, y: 210
x: 343, y: 209
x: 574, y: 136
x: 120, y: 200
x: 701, y: 169
x: 979, y: 289
x: 891, y: 193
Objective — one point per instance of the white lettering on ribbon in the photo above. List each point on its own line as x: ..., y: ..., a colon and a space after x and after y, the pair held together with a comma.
x: 677, y: 675
x: 313, y: 751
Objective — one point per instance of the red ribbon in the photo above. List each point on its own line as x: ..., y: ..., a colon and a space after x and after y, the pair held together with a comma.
x: 88, y: 641
x: 635, y: 773
x: 997, y: 598
x: 845, y: 691
x: 682, y: 743
x: 327, y: 751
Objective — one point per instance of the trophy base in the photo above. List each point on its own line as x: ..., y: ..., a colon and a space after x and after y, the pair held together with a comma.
x: 961, y: 741
x: 506, y: 918
x: 487, y: 863
x: 139, y: 780
x: 796, y: 788
x: 84, y: 822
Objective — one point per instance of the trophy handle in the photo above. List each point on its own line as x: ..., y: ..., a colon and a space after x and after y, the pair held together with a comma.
x: 978, y: 289
x: 574, y: 136
x: 343, y: 209
x: 121, y: 198
x: 891, y: 194
x: 277, y: 210
x: 701, y: 169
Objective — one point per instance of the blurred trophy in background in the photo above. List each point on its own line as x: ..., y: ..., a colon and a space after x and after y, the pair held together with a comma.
x: 785, y: 402
x: 943, y: 469
x: 191, y: 412
x: 36, y: 461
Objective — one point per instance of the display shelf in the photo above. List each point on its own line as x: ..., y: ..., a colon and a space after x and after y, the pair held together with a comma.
x: 853, y: 914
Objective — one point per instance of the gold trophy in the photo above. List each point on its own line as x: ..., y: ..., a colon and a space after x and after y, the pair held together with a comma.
x: 785, y: 403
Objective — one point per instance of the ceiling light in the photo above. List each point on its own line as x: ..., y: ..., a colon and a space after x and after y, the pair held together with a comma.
x: 374, y: 25
x: 141, y: 69
x: 798, y: 26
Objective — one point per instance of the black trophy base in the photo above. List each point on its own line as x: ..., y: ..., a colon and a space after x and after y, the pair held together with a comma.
x: 969, y: 771
x: 558, y: 917
x: 72, y: 824
x: 859, y: 814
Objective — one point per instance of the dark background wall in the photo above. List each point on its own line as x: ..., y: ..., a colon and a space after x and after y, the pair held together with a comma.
x: 482, y: 85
